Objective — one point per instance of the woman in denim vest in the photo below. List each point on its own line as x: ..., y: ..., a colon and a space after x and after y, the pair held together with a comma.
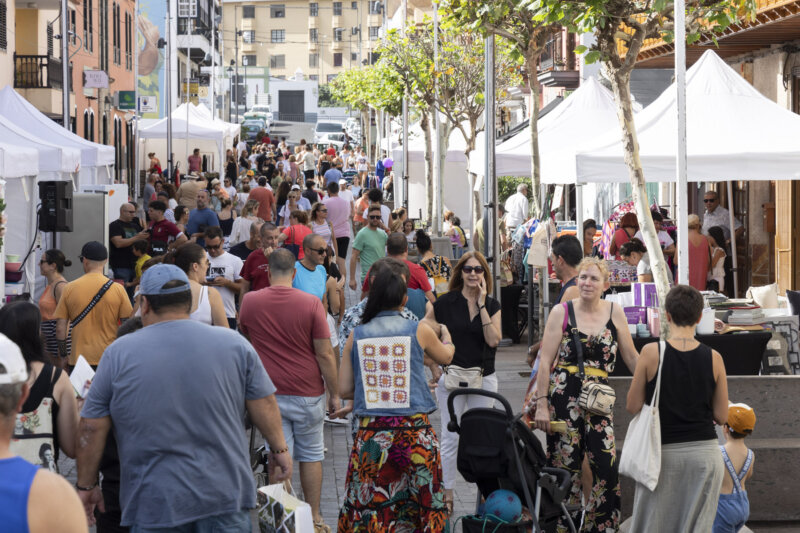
x: 394, y: 478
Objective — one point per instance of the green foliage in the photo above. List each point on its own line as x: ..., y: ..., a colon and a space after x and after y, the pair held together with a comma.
x: 325, y: 97
x: 507, y: 185
x: 373, y: 86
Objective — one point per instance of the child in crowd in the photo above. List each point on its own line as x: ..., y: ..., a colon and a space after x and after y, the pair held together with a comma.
x: 140, y: 252
x: 734, y: 507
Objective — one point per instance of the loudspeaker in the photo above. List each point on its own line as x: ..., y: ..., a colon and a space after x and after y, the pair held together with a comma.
x: 56, y: 211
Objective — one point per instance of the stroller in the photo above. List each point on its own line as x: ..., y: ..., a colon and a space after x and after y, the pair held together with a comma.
x: 497, y: 450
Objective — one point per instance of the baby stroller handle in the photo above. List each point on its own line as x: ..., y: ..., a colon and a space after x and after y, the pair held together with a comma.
x: 453, y: 425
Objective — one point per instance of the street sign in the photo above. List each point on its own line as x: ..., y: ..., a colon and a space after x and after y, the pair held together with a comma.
x: 95, y: 79
x: 125, y: 100
x: 148, y: 104
x: 187, y: 8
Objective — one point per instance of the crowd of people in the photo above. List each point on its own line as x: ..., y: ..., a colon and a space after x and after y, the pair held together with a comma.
x: 229, y: 304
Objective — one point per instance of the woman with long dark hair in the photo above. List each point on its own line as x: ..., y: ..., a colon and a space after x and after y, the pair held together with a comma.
x: 716, y: 242
x: 207, y: 305
x: 383, y: 372
x: 50, y: 414
x: 52, y: 265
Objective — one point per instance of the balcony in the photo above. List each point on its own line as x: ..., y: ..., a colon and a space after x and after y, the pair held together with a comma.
x: 337, y: 46
x: 313, y: 47
x: 557, y: 66
x: 37, y: 72
x: 337, y: 21
x: 313, y: 22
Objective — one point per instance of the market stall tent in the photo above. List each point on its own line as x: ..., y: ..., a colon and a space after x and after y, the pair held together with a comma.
x: 97, y: 160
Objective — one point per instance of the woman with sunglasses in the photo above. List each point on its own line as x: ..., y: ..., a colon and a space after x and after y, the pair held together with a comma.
x: 52, y: 267
x: 473, y: 319
x: 292, y: 204
x: 322, y: 227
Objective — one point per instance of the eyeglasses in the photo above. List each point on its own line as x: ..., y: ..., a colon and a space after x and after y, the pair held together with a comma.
x: 320, y: 251
x: 214, y: 247
x: 470, y: 269
x: 374, y: 217
x: 709, y: 200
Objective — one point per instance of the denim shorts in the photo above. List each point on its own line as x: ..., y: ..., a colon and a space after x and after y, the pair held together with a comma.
x: 238, y: 522
x: 303, y: 420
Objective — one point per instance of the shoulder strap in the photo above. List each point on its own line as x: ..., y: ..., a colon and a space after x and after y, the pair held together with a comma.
x: 746, y: 465
x: 662, y: 353
x: 737, y: 486
x: 576, y: 339
x: 566, y: 318
x: 94, y: 302
x: 54, y: 379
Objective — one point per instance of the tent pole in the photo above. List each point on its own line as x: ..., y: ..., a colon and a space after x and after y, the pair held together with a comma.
x: 168, y: 110
x: 490, y: 237
x: 437, y: 167
x: 579, y: 212
x: 732, y: 222
x: 680, y: 163
x: 133, y: 184
x: 65, y: 64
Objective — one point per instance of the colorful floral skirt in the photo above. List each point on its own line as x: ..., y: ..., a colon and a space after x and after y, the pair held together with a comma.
x: 394, y: 479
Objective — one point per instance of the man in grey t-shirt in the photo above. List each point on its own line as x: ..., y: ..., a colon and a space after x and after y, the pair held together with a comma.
x: 178, y: 408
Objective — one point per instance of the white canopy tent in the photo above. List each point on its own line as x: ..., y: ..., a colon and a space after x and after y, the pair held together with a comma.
x: 19, y: 166
x: 232, y: 130
x: 733, y: 132
x: 210, y: 136
x: 97, y: 160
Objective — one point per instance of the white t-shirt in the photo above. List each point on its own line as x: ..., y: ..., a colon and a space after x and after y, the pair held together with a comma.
x: 308, y: 161
x: 663, y: 238
x: 241, y: 147
x: 231, y: 192
x: 346, y: 194
x: 173, y: 203
x: 362, y: 163
x: 643, y: 268
x: 228, y: 266
x: 386, y: 215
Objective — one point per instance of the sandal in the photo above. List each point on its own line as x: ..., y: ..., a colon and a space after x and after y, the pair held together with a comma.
x: 448, y: 505
x: 321, y: 527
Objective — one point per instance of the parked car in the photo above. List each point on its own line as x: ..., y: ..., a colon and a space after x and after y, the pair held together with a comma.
x: 322, y: 128
x: 326, y: 139
x: 250, y: 128
x: 261, y: 111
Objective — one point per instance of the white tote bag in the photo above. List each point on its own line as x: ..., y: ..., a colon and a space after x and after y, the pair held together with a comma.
x: 641, y: 456
x: 283, y: 512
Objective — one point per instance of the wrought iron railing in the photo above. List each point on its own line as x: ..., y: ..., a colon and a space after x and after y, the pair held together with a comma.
x: 37, y: 72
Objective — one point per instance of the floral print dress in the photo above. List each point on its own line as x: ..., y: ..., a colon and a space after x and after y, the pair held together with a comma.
x: 589, y: 434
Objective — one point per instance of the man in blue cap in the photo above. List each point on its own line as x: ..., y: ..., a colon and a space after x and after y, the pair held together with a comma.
x: 177, y: 409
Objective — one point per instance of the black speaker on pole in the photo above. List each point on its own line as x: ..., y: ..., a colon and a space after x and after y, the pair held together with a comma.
x: 56, y: 211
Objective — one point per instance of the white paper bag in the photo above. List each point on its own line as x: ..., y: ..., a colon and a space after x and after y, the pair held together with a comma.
x: 283, y: 512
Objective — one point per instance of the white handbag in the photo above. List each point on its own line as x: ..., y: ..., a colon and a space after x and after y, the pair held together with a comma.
x: 641, y: 456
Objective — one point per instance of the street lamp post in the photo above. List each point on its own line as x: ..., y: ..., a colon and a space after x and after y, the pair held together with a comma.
x: 230, y: 92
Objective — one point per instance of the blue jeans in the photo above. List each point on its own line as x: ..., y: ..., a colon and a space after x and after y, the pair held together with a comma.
x: 125, y: 274
x: 238, y: 522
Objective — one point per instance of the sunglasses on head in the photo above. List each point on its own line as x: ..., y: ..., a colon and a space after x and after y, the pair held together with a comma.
x: 470, y: 269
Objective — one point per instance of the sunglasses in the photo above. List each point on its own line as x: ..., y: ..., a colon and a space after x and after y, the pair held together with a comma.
x: 320, y: 251
x: 322, y: 210
x: 374, y: 217
x: 470, y: 269
x: 709, y: 200
x: 214, y: 247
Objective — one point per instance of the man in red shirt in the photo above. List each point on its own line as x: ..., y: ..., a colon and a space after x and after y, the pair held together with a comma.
x: 162, y: 230
x: 255, y: 272
x: 265, y: 198
x: 289, y: 330
x: 195, y: 161
x: 397, y: 248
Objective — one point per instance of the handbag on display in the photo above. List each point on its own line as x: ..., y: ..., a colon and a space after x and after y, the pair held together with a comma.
x: 597, y: 398
x: 641, y: 456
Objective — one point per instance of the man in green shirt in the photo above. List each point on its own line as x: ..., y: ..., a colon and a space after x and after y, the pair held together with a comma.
x: 369, y: 246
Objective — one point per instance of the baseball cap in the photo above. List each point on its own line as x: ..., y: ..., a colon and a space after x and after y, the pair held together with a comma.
x: 155, y: 277
x: 16, y: 369
x: 342, y: 181
x: 251, y: 173
x: 94, y: 251
x: 215, y: 181
x: 741, y: 418
x: 295, y: 187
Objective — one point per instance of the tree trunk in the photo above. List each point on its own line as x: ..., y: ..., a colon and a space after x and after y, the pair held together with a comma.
x: 445, y: 129
x: 425, y: 124
x: 367, y: 132
x: 476, y: 200
x: 620, y: 84
x: 533, y: 129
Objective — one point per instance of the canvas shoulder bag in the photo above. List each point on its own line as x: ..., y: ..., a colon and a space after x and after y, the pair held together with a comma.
x: 459, y: 377
x: 597, y: 398
x: 641, y: 457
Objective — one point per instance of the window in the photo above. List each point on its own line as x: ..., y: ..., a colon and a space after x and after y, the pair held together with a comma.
x: 102, y: 37
x: 249, y: 36
x: 3, y: 26
x: 277, y: 11
x: 313, y: 35
x: 337, y: 59
x: 353, y: 56
x: 49, y: 39
x: 313, y: 9
x: 128, y: 41
x: 337, y: 8
x: 331, y: 77
x: 374, y: 33
x: 73, y: 27
x: 338, y: 33
x: 117, y: 40
x: 374, y: 8
x: 313, y: 77
x: 250, y: 60
x: 354, y: 5
x: 278, y: 61
x: 105, y: 129
x: 313, y: 60
x: 277, y: 36
x: 248, y: 12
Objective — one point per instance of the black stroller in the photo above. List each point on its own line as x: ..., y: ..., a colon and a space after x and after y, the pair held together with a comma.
x: 497, y: 450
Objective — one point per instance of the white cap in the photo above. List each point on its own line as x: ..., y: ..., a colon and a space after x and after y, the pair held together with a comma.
x: 295, y: 187
x: 342, y: 181
x: 16, y: 370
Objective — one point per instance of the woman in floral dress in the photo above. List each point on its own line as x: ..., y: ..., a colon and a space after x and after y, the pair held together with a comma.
x: 603, y: 331
x: 394, y: 478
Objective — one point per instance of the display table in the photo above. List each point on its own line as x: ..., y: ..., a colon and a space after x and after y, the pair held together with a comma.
x: 742, y: 353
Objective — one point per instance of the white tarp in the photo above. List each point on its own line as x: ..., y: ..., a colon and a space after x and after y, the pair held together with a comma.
x: 97, y: 160
x: 733, y: 132
x: 231, y: 129
x: 579, y: 119
x: 54, y: 160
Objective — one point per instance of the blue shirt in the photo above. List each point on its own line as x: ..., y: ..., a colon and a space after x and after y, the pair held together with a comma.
x: 333, y: 175
x: 199, y: 219
x: 310, y: 281
x: 16, y: 478
x: 389, y: 369
x: 177, y: 401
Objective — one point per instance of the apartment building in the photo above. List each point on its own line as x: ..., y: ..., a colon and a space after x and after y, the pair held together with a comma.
x: 101, y: 38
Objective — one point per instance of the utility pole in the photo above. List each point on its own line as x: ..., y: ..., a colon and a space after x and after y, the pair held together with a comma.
x: 213, y: 80
x: 65, y: 63
x: 404, y: 7
x: 490, y: 237
x: 168, y: 54
x: 437, y: 170
x: 236, y: 57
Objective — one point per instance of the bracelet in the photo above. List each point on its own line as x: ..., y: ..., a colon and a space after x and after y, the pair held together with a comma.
x: 278, y: 452
x: 85, y: 489
x: 540, y: 397
x: 446, y: 342
x: 481, y: 307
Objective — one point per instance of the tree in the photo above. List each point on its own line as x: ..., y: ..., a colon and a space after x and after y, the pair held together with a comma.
x: 621, y: 28
x: 527, y: 35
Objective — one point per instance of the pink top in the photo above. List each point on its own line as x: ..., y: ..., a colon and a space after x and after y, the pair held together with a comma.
x: 698, y: 264
x: 338, y: 215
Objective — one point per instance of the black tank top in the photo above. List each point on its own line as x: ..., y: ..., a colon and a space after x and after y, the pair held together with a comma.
x: 687, y: 393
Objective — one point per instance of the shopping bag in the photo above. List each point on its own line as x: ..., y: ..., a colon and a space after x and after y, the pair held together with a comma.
x: 641, y: 453
x: 283, y: 512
